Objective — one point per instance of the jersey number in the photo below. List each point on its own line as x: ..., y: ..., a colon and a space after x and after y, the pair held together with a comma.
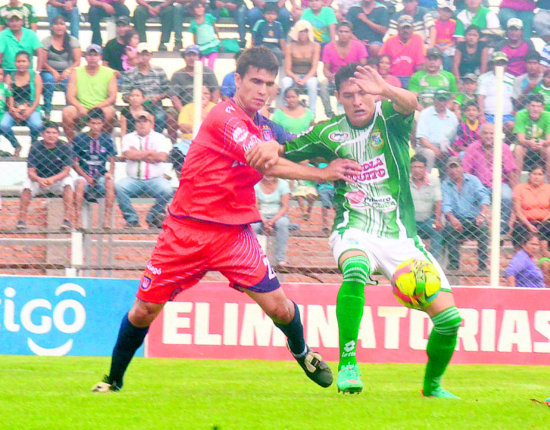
x: 270, y: 270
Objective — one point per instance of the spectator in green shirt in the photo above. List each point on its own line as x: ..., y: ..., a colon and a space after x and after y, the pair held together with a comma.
x: 433, y: 77
x: 532, y: 129
x: 16, y: 38
x: 543, y: 88
x: 323, y: 21
x: 30, y: 20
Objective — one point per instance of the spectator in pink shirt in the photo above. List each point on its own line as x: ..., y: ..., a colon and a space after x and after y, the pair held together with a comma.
x: 516, y: 47
x: 478, y: 161
x: 406, y: 50
x: 337, y: 54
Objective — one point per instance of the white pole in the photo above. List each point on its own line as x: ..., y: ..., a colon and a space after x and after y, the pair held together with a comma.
x: 497, y: 179
x: 197, y: 96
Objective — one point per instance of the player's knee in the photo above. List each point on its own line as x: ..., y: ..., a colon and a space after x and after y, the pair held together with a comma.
x: 447, y: 322
x: 280, y: 313
x: 356, y: 269
x: 143, y: 313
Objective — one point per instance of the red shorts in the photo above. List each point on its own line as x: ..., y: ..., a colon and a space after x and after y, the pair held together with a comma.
x: 187, y: 249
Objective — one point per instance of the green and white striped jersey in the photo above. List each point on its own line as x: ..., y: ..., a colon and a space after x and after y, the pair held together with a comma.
x: 379, y: 201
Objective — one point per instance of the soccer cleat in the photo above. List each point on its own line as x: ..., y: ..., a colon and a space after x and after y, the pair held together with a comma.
x: 440, y: 393
x: 315, y: 368
x: 349, y: 379
x: 105, y: 386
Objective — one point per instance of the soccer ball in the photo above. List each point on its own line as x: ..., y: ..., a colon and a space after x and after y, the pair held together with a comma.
x: 415, y: 283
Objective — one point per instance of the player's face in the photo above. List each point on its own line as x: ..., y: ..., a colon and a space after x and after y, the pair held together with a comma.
x: 253, y: 89
x: 358, y: 104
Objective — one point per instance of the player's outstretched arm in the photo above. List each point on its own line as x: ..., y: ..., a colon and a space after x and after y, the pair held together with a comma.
x: 264, y: 155
x: 339, y: 169
x: 368, y: 79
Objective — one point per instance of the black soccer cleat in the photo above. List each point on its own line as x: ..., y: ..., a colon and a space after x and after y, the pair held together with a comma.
x: 315, y: 368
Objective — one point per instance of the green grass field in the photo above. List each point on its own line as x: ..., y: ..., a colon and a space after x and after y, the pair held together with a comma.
x: 54, y: 393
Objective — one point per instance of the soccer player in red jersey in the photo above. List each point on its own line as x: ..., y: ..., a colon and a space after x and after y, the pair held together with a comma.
x: 208, y: 225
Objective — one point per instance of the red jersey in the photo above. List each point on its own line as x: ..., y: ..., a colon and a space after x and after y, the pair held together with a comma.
x: 216, y: 183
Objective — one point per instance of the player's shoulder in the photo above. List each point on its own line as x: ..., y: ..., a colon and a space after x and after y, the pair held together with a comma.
x: 329, y: 128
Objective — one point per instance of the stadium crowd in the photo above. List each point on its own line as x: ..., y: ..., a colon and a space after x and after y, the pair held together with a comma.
x: 445, y: 52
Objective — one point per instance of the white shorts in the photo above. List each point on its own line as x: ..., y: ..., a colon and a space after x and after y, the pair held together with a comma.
x: 384, y: 254
x: 56, y: 188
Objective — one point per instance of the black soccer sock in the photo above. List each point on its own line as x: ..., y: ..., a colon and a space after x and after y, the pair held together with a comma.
x: 294, y: 331
x: 129, y: 340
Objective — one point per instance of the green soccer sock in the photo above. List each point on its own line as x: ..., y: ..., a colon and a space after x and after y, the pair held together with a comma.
x: 349, y: 306
x: 441, y: 346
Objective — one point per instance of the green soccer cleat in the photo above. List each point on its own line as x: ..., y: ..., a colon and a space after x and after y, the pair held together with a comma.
x: 315, y: 368
x: 349, y: 379
x: 105, y: 386
x: 440, y: 393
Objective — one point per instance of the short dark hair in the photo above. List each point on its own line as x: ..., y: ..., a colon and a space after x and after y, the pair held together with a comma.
x: 346, y: 72
x: 25, y: 53
x: 259, y: 57
x: 344, y: 23
x: 468, y: 104
x: 419, y: 158
x: 474, y: 28
x: 95, y: 113
x: 49, y: 124
x: 128, y: 36
x: 537, y: 98
x: 271, y: 7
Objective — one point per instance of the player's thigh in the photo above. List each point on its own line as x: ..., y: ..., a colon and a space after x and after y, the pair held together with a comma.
x: 346, y: 243
x: 238, y: 256
x: 177, y: 263
x: 392, y: 252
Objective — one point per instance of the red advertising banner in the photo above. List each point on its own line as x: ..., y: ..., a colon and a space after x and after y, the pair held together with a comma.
x: 500, y: 326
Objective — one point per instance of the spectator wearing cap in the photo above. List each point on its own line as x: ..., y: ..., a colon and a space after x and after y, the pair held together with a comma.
x: 100, y: 9
x: 478, y: 161
x: 405, y: 49
x: 425, y: 82
x: 471, y: 54
x: 257, y: 13
x: 181, y: 83
x: 445, y: 26
x: 63, y: 55
x: 518, y: 9
x: 153, y: 83
x: 370, y: 21
x: 48, y: 168
x: 269, y: 33
x: 322, y: 19
x: 532, y: 129
x: 90, y: 86
x: 423, y: 22
x: 17, y: 38
x: 152, y: 8
x: 436, y: 131
x: 465, y: 206
x: 475, y: 14
x: 68, y: 9
x: 301, y: 60
x: 345, y: 49
x: 466, y: 95
x: 515, y: 47
x: 30, y: 20
x: 526, y: 83
x: 115, y: 48
x: 486, y: 90
x: 426, y: 195
x: 145, y: 152
x: 92, y: 151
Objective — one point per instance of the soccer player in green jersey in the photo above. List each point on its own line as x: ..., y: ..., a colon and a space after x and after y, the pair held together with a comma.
x: 374, y: 228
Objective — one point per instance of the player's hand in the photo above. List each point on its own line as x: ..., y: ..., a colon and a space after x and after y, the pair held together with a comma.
x: 369, y: 80
x: 264, y: 155
x: 341, y: 169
